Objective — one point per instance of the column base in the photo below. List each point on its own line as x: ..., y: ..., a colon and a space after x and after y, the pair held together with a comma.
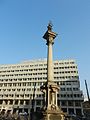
x: 53, y: 115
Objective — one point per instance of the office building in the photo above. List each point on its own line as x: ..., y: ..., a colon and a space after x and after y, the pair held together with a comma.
x: 20, y: 84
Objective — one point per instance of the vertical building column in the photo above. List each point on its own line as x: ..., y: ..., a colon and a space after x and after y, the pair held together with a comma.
x: 82, y: 108
x: 8, y: 102
x: 3, y: 102
x: 35, y: 105
x: 74, y: 107
x: 13, y: 102
x: 24, y: 102
x: 18, y: 102
x: 13, y: 105
x: 67, y: 107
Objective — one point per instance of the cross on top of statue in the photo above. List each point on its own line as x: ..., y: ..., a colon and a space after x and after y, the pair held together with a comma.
x: 50, y: 26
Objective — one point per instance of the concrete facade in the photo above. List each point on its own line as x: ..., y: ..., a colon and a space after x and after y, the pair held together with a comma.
x: 19, y: 82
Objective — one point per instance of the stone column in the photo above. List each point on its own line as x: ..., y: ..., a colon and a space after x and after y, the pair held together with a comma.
x: 49, y: 36
x: 50, y: 86
x: 50, y: 61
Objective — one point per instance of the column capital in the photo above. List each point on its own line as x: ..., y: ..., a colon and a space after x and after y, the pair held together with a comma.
x: 49, y: 35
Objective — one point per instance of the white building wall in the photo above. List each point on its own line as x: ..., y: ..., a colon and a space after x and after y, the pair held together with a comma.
x: 17, y: 83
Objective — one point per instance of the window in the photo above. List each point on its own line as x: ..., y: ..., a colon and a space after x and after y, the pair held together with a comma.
x: 20, y: 79
x: 75, y: 89
x: 63, y: 103
x: 68, y: 83
x: 40, y: 64
x: 22, y: 95
x: 18, y: 89
x: 19, y: 84
x: 24, y: 84
x: 21, y: 102
x: 5, y: 84
x: 11, y: 102
x: 28, y: 89
x: 62, y: 83
x: 62, y: 89
x: 8, y: 89
x: 17, y: 95
x: 26, y: 95
x: 23, y: 89
x: 13, y: 89
x: 16, y: 102
x: 9, y: 84
x: 4, y: 89
x: 70, y: 103
x: 69, y: 89
x: 29, y: 84
x: 38, y: 102
x: 77, y: 103
x: 27, y: 102
x: 58, y: 95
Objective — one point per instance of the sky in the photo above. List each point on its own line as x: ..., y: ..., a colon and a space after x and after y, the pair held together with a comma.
x: 24, y: 22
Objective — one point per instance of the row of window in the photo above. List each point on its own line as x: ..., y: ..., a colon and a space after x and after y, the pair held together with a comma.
x: 67, y: 77
x: 38, y: 89
x: 22, y: 70
x: 65, y: 67
x: 70, y: 95
x: 20, y: 95
x: 24, y: 79
x: 38, y: 83
x: 62, y: 63
x: 40, y: 102
x: 21, y: 66
x: 35, y: 84
x: 38, y: 64
x: 25, y: 74
x: 40, y: 73
x: 19, y: 90
x: 36, y: 69
x: 63, y: 72
x: 69, y: 89
x: 68, y: 83
x: 69, y: 103
x: 41, y: 95
x: 20, y: 84
x: 39, y: 78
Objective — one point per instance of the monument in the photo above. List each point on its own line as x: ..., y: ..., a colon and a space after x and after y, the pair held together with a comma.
x: 51, y: 111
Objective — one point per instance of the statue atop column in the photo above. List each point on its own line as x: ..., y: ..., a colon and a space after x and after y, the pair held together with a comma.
x: 50, y: 88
